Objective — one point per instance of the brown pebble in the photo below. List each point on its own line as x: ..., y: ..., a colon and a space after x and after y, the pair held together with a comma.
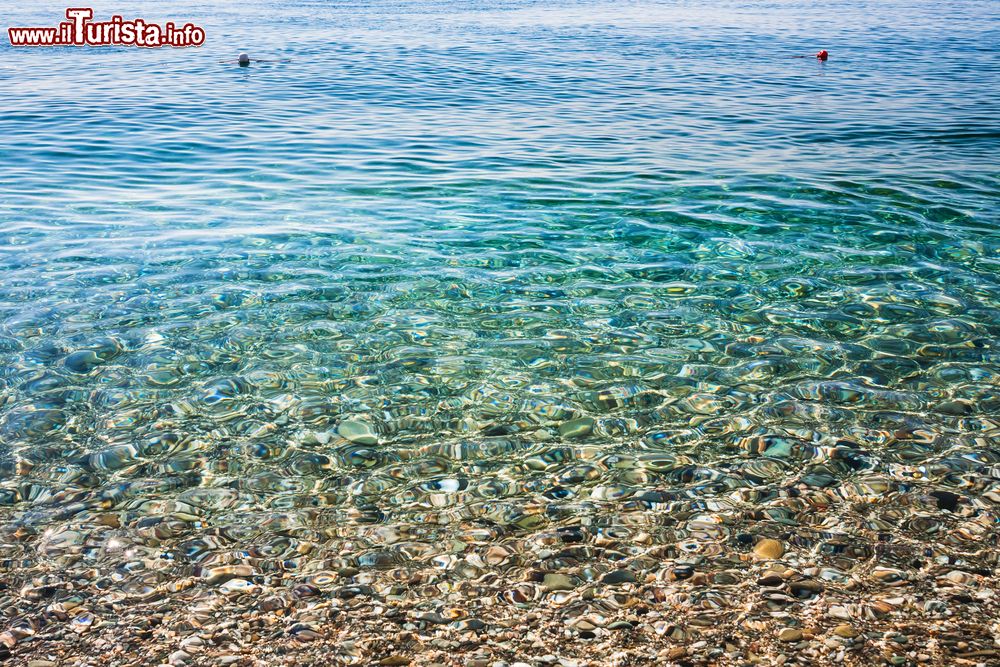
x: 846, y: 631
x: 768, y: 548
x: 790, y: 635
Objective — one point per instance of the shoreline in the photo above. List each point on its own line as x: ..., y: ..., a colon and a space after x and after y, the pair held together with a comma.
x: 947, y: 616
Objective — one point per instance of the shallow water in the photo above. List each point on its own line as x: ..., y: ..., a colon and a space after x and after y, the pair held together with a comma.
x: 577, y: 281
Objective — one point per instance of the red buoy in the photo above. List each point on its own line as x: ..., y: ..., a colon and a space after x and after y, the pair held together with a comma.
x: 823, y: 55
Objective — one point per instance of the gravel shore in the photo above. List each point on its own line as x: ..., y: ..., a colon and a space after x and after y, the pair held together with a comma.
x: 770, y: 612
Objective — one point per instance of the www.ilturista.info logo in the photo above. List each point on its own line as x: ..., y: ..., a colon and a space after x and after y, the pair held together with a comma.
x: 79, y: 30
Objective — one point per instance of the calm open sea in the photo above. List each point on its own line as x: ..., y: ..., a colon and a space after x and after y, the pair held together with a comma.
x: 430, y: 280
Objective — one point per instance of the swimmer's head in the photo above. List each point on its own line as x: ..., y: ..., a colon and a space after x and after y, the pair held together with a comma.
x: 244, y: 60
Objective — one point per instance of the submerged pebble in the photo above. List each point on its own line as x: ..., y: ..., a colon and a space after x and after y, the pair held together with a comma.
x: 83, y: 361
x: 577, y: 428
x: 768, y: 548
x: 358, y: 432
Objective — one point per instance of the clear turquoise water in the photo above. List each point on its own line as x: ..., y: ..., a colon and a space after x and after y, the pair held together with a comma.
x: 467, y: 225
